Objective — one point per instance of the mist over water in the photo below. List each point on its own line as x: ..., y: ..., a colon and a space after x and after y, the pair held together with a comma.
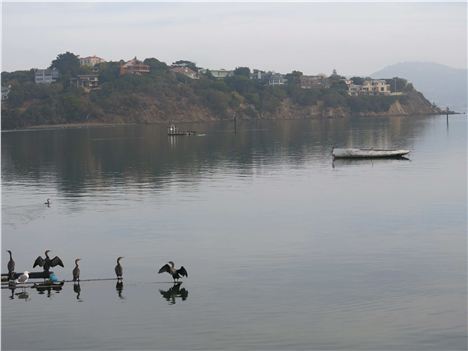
x: 285, y: 249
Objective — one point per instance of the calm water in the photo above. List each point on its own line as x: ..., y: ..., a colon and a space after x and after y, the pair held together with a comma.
x: 284, y: 249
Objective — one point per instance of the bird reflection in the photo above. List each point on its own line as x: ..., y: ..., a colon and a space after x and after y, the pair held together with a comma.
x: 77, y: 290
x: 48, y: 287
x: 12, y: 289
x: 174, y: 292
x: 119, y: 288
x: 24, y: 295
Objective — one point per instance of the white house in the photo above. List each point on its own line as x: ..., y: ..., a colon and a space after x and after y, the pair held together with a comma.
x: 46, y: 76
x: 91, y: 60
x: 276, y: 79
x: 220, y: 73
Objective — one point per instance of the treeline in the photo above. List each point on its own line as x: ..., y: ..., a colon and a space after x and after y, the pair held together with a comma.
x: 130, y: 97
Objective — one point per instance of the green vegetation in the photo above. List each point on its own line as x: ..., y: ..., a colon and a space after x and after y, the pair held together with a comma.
x: 163, y: 95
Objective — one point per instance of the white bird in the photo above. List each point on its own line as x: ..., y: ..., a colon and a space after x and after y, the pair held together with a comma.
x: 23, y: 278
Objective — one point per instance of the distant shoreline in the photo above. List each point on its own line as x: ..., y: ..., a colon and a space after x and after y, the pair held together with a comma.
x: 108, y: 124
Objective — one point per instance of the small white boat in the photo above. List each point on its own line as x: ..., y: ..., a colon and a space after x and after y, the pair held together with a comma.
x: 368, y: 153
x: 173, y: 131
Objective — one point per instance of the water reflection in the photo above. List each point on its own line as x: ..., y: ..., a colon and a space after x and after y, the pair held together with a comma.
x: 366, y: 161
x: 77, y: 163
x: 12, y: 289
x: 77, y: 290
x: 175, y: 292
x: 24, y: 295
x: 48, y: 287
x: 119, y: 289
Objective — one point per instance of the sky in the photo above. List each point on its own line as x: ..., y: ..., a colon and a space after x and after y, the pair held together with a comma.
x: 353, y: 38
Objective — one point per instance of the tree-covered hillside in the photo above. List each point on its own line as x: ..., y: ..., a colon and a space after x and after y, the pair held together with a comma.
x: 163, y: 95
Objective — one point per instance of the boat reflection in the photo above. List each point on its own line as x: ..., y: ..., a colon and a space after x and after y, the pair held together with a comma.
x: 366, y: 161
x: 173, y: 293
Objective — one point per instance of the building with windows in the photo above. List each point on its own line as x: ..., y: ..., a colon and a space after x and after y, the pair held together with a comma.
x: 134, y: 66
x: 276, y: 79
x: 221, y: 73
x: 260, y: 75
x: 86, y: 81
x: 368, y: 87
x: 91, y: 60
x: 187, y: 71
x: 5, y: 92
x: 310, y: 82
x: 46, y: 76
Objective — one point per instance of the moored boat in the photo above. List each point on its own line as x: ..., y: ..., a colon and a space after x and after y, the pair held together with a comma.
x: 173, y: 131
x: 367, y: 153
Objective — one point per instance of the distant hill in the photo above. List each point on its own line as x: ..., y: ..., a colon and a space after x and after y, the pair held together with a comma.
x: 162, y: 94
x: 446, y: 86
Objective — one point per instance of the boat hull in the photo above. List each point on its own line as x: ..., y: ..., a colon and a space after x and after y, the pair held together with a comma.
x: 368, y: 153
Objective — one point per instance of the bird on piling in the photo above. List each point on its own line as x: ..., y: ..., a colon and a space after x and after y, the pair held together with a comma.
x: 118, y: 268
x: 175, y: 273
x: 46, y: 262
x: 47, y: 203
x: 11, y: 266
x: 76, y: 271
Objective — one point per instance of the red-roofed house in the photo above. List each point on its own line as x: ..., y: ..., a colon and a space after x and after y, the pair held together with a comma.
x: 134, y: 66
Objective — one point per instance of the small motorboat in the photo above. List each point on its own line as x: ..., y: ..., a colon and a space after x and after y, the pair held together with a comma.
x: 173, y: 131
x: 368, y: 153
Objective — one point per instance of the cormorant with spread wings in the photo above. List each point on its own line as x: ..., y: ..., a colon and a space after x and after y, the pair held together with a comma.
x: 46, y: 262
x: 176, y: 273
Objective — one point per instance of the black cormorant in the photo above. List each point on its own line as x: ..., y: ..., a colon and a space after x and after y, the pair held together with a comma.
x: 76, y: 271
x: 176, y: 273
x: 11, y: 267
x: 46, y: 262
x: 118, y: 268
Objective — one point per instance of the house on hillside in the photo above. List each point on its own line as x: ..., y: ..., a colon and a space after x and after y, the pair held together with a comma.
x: 276, y: 79
x: 260, y: 75
x: 91, y: 61
x: 368, y: 87
x: 5, y: 92
x: 86, y: 81
x: 187, y: 71
x: 310, y: 82
x: 134, y: 66
x: 220, y: 73
x: 46, y: 76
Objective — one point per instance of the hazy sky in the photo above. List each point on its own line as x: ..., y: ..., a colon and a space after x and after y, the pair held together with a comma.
x: 354, y: 38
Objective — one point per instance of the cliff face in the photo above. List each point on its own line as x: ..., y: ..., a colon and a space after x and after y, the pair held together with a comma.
x: 412, y: 103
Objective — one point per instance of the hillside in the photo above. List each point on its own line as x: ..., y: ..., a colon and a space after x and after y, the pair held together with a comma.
x: 443, y: 85
x: 163, y: 95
